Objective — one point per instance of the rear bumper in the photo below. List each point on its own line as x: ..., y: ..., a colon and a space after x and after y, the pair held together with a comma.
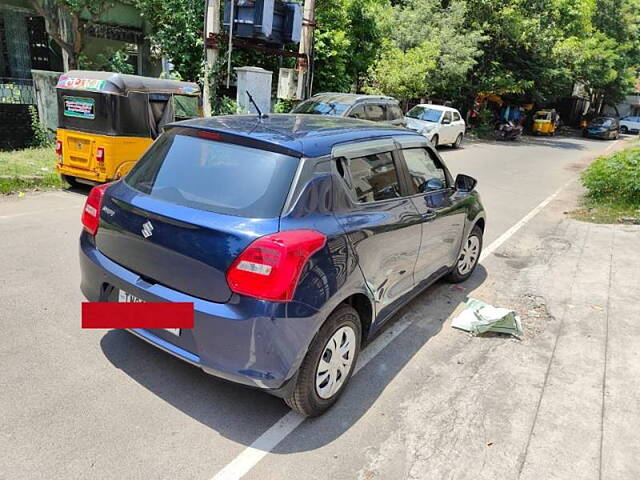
x: 255, y: 343
x: 91, y: 175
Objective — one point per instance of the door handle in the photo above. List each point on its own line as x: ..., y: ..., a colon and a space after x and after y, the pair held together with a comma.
x: 428, y: 215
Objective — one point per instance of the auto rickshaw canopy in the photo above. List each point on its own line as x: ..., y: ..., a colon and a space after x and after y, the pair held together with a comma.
x: 123, y: 84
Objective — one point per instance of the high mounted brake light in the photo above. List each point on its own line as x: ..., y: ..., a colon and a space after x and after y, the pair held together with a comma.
x: 91, y: 212
x: 269, y: 268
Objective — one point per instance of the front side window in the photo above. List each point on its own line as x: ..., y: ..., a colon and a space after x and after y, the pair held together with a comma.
x: 426, y: 175
x: 214, y: 176
x: 320, y: 107
x: 447, y: 117
x: 374, y: 177
x: 374, y: 112
x: 394, y: 112
x: 357, y: 112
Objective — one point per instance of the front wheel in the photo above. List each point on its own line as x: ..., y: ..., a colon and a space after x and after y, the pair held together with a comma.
x: 458, y: 141
x: 469, y: 256
x: 328, y: 365
x: 434, y: 140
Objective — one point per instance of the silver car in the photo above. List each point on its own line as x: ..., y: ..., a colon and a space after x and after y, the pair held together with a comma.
x: 351, y: 105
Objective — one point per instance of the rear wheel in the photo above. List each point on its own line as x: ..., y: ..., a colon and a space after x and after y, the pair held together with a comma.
x: 70, y: 180
x: 458, y: 141
x: 329, y: 363
x: 469, y: 256
x: 624, y: 129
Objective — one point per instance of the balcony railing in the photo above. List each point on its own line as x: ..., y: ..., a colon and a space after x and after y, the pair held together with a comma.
x: 17, y: 91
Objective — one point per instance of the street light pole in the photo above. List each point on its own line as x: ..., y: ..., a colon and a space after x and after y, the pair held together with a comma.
x: 306, y: 47
x: 211, y: 25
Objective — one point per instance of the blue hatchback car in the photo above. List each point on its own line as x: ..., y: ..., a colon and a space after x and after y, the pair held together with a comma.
x: 295, y: 236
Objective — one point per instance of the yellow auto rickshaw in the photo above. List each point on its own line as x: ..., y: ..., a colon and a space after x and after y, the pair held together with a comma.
x: 107, y: 120
x: 545, y: 122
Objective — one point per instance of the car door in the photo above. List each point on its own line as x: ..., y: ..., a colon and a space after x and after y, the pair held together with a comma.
x: 459, y: 124
x: 381, y: 222
x: 442, y: 213
x: 447, y: 129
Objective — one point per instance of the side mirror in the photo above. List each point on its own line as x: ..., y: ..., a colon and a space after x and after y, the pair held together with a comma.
x: 465, y: 183
x: 446, y: 121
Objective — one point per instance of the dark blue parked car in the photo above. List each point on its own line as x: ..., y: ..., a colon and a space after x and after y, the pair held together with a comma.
x: 295, y: 236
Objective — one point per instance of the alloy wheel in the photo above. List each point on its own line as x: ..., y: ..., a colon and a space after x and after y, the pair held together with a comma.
x: 335, y: 362
x: 469, y: 255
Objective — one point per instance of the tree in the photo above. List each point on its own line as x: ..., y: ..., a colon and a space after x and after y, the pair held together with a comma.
x: 69, y: 21
x: 176, y: 30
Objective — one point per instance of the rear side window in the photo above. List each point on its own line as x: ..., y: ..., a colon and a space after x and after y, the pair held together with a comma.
x: 374, y: 177
x: 456, y: 117
x: 214, y: 176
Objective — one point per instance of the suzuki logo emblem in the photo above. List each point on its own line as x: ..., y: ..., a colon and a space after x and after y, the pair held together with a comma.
x: 147, y: 229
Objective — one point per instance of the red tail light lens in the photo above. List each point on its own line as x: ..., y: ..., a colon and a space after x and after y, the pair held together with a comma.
x: 100, y: 154
x: 59, y: 147
x: 269, y: 268
x: 91, y: 212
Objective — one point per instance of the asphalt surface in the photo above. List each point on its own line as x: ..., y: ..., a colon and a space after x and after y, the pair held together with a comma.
x: 102, y: 404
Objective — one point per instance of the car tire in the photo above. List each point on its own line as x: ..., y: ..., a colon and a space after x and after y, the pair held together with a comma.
x: 458, y: 141
x: 471, y: 249
x: 434, y: 140
x: 624, y: 130
x: 312, y: 395
x: 70, y: 180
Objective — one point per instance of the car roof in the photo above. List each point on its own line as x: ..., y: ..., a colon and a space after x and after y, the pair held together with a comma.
x: 297, y: 134
x: 349, y: 97
x: 437, y: 107
x: 123, y: 84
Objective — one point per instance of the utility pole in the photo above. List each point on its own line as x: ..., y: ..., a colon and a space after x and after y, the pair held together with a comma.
x: 306, y: 47
x: 211, y: 25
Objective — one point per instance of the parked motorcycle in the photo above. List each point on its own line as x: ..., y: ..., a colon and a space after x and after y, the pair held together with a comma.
x: 507, y: 131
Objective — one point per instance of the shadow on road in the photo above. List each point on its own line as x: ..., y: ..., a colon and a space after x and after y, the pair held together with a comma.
x: 241, y: 414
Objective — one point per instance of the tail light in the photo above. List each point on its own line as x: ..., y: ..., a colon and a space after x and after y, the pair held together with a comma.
x: 100, y: 154
x: 91, y: 212
x: 59, y: 147
x: 269, y: 268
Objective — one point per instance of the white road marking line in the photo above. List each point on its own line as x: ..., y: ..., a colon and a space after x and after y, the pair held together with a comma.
x: 265, y: 443
x: 506, y: 235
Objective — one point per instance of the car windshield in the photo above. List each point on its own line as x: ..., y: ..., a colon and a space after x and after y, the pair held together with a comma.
x: 215, y: 176
x: 425, y: 113
x: 602, y: 122
x: 320, y: 107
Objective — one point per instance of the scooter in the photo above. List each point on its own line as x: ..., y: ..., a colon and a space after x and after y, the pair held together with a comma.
x: 507, y: 131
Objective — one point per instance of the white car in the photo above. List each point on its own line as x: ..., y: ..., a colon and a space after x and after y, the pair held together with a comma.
x: 441, y: 125
x: 630, y: 124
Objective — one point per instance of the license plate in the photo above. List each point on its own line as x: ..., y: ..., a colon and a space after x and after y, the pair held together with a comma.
x: 127, y: 297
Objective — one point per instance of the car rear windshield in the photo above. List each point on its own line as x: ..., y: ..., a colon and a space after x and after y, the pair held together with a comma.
x: 320, y: 107
x: 214, y: 176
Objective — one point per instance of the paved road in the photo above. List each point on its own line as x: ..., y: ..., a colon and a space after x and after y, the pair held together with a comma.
x: 96, y: 404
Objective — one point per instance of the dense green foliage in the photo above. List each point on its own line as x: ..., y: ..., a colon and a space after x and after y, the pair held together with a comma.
x: 615, y: 178
x: 443, y: 49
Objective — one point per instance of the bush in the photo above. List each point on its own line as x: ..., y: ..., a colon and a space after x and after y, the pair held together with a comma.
x: 615, y: 178
x: 40, y: 135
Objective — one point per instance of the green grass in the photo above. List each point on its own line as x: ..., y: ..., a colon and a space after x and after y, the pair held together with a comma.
x: 29, y: 169
x: 613, y: 188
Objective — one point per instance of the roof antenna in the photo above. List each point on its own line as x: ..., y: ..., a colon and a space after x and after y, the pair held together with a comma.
x: 260, y: 114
